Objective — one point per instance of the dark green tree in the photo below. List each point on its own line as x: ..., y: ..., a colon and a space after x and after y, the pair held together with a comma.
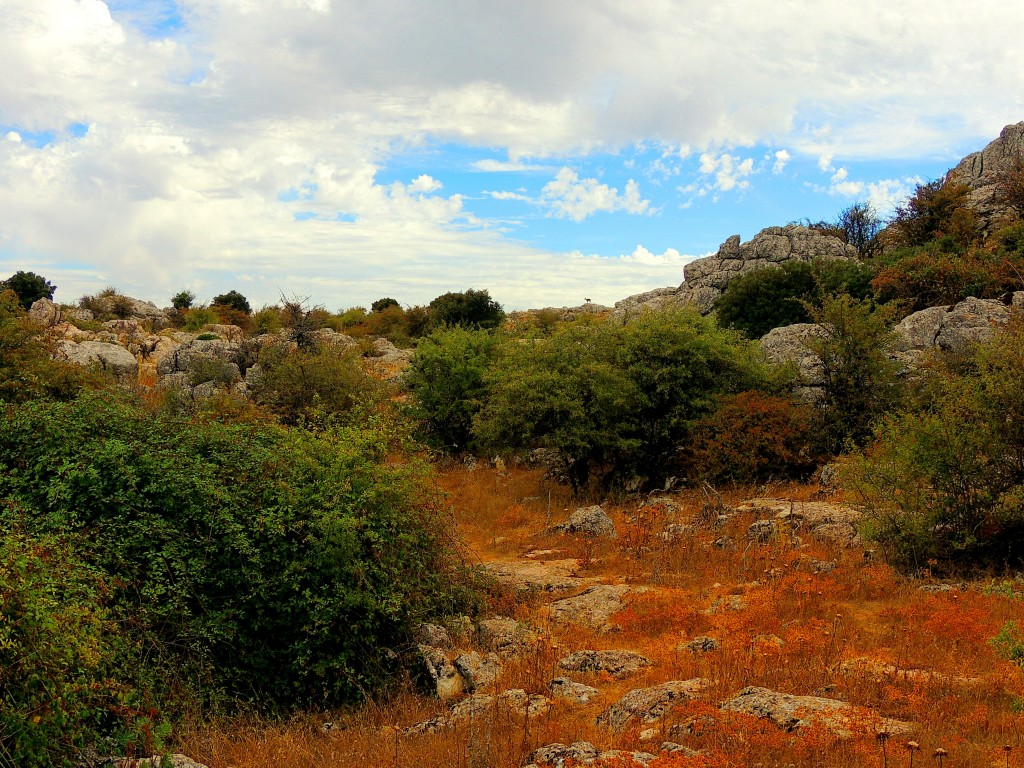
x: 29, y: 287
x: 381, y: 304
x: 233, y: 300
x: 469, y: 309
x: 861, y: 224
x: 183, y: 300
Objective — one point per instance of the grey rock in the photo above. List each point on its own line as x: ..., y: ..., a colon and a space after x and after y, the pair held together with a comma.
x: 592, y: 608
x: 477, y: 671
x: 570, y: 690
x: 433, y: 635
x: 671, y: 748
x: 619, y: 664
x: 158, y: 761
x: 825, y: 521
x: 648, y: 704
x: 789, y: 344
x: 953, y: 329
x: 45, y: 312
x: 980, y: 171
x: 702, y: 644
x: 444, y: 678
x: 792, y: 712
x: 557, y: 755
x: 506, y: 637
x: 590, y: 521
x: 112, y: 358
x: 761, y: 531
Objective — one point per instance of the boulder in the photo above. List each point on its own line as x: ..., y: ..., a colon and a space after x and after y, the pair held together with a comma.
x: 980, y: 171
x: 433, y: 635
x: 571, y: 691
x: 506, y: 637
x: 584, y: 753
x: 45, y: 312
x: 443, y: 677
x: 515, y: 703
x: 589, y: 521
x: 592, y: 608
x: 825, y: 521
x: 158, y: 761
x: 789, y: 344
x: 953, y: 329
x: 540, y: 576
x: 648, y: 704
x: 478, y: 671
x: 618, y: 664
x: 702, y: 644
x: 111, y: 358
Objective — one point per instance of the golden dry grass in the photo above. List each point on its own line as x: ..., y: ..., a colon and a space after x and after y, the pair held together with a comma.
x: 793, y: 631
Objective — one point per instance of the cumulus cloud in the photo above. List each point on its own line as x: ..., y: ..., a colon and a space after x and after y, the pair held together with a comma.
x: 781, y: 158
x: 425, y: 184
x: 729, y: 171
x: 499, y: 166
x: 569, y: 196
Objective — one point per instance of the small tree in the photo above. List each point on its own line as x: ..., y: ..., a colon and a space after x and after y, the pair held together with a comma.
x: 937, y: 210
x: 29, y: 287
x: 859, y: 380
x: 183, y: 300
x: 1010, y: 188
x: 381, y: 304
x: 469, y: 309
x: 233, y: 300
x: 861, y: 224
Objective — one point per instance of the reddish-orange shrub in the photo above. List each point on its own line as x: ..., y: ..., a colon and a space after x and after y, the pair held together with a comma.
x: 752, y: 437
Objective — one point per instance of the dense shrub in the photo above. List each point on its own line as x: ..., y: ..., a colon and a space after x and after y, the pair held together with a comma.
x: 198, y: 318
x: 26, y: 370
x: 254, y: 563
x: 183, y: 300
x: 381, y: 304
x: 447, y: 381
x: 859, y: 381
x: 944, y: 479
x: 613, y: 400
x: 769, y: 298
x: 233, y: 300
x: 468, y: 309
x: 295, y: 384
x: 28, y: 287
x: 936, y: 211
x: 752, y: 437
x: 65, y: 688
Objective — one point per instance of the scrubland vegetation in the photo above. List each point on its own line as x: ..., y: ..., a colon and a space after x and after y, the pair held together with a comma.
x: 224, y: 576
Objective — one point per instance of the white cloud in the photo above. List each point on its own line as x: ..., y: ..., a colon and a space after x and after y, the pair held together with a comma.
x: 425, y: 184
x: 781, y: 158
x: 569, y: 196
x: 730, y: 172
x: 510, y: 196
x: 498, y: 166
x: 825, y: 162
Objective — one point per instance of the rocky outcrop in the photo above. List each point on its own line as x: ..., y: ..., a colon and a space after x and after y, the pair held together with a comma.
x: 981, y: 172
x: 515, y: 703
x: 584, y: 753
x: 573, y: 692
x: 824, y: 521
x: 619, y: 664
x: 441, y: 675
x: 589, y: 521
x: 158, y: 761
x: 705, y: 279
x: 592, y: 608
x: 951, y: 329
x: 506, y: 637
x: 790, y: 345
x: 648, y: 704
x: 478, y: 671
x: 110, y: 358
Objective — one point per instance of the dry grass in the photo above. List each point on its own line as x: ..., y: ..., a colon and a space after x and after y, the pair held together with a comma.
x: 917, y: 657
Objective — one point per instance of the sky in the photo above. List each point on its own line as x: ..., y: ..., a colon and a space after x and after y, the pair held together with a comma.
x: 549, y: 151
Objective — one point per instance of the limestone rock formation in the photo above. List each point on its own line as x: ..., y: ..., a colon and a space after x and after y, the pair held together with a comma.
x: 592, y: 608
x: 951, y: 329
x: 506, y: 637
x: 571, y: 691
x: 980, y: 171
x: 619, y: 664
x: 111, y: 358
x: 590, y: 521
x: 648, y: 704
x: 478, y: 671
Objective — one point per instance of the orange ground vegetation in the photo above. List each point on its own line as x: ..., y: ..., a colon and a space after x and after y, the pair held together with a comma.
x: 858, y: 632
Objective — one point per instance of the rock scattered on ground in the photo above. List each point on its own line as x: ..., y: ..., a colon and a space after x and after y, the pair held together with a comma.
x: 592, y: 608
x: 589, y: 521
x: 439, y: 672
x: 571, y: 691
x: 110, y: 358
x: 584, y: 753
x: 823, y: 520
x: 538, y: 575
x: 702, y: 644
x: 619, y: 664
x: 478, y: 671
x: 506, y: 637
x: 648, y: 704
x: 158, y: 761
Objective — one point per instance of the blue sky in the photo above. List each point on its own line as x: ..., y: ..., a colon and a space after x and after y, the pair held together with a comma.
x: 346, y: 150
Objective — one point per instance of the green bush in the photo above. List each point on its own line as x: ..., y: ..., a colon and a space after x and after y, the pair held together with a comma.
x: 613, y: 400
x: 233, y: 300
x: 28, y: 287
x: 64, y: 689
x: 447, y: 381
x: 183, y: 300
x: 198, y: 318
x: 773, y: 297
x: 944, y: 479
x: 252, y: 562
x: 468, y: 309
x: 296, y: 384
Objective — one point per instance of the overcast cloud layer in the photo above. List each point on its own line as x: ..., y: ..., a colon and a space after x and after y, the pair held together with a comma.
x: 347, y: 150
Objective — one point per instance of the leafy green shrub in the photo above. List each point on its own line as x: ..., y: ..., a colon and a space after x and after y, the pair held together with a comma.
x: 381, y: 304
x: 207, y: 337
x: 233, y: 300
x: 773, y: 297
x: 936, y: 211
x: 267, y: 320
x: 944, y: 479
x: 447, y: 380
x: 468, y: 309
x: 752, y: 437
x: 64, y: 691
x: 252, y: 562
x: 198, y: 318
x: 613, y: 400
x: 295, y: 384
x: 183, y: 300
x: 28, y: 287
x: 1009, y: 643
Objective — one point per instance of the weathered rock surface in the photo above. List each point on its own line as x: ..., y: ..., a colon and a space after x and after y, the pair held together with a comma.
x: 515, y: 702
x: 443, y: 677
x: 648, y: 704
x: 789, y: 344
x: 705, y: 279
x: 980, y: 171
x: 702, y: 644
x: 788, y: 711
x: 433, y: 635
x: 584, y: 753
x: 570, y: 690
x: 543, y: 576
x: 951, y: 329
x: 823, y: 520
x: 589, y: 521
x: 45, y: 312
x: 478, y: 671
x: 592, y: 608
x: 506, y: 637
x: 112, y: 358
x: 619, y: 664
x: 867, y: 667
